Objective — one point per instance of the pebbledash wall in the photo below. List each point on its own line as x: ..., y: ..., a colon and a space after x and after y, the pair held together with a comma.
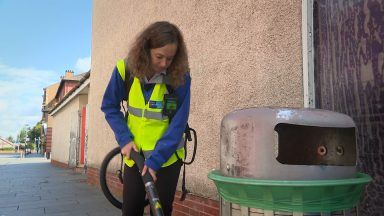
x: 242, y: 54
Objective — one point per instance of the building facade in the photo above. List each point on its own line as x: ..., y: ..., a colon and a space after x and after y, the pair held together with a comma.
x: 69, y: 125
x: 300, y: 53
x: 48, y: 103
x: 242, y: 54
x: 54, y: 94
x: 5, y: 144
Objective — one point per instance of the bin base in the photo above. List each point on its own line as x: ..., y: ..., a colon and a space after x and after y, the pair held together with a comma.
x: 231, y: 209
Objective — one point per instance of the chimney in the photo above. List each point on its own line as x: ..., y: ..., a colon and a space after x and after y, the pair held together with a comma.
x: 68, y: 73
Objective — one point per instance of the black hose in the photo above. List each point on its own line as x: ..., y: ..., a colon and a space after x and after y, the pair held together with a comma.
x: 194, y: 146
x: 103, y: 178
x: 188, y: 137
x: 149, y: 184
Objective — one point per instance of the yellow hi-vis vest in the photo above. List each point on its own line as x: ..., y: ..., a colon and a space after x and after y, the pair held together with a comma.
x: 147, y: 124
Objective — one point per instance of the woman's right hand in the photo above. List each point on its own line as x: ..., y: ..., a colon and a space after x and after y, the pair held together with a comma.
x: 126, y: 150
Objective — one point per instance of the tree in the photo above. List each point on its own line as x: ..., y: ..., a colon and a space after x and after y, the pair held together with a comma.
x: 34, y: 133
x: 22, y: 136
x: 10, y: 139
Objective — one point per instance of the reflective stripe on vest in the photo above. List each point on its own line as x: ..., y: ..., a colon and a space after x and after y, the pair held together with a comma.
x: 147, y: 114
x: 147, y: 124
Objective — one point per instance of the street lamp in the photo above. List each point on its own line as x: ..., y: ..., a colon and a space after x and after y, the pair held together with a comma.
x: 37, y: 143
x: 26, y: 126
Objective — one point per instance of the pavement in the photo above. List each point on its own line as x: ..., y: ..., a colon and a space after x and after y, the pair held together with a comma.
x: 32, y: 186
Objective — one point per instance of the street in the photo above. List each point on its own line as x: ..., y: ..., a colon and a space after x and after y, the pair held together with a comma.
x: 32, y: 186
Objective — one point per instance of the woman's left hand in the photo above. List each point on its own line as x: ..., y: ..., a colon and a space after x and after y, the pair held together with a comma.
x: 151, y: 171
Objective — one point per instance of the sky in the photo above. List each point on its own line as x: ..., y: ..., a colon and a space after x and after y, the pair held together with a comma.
x: 39, y: 41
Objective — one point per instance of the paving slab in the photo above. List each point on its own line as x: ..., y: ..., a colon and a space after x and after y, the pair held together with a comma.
x: 32, y: 186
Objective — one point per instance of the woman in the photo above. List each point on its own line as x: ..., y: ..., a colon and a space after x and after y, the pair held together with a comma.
x: 157, y: 91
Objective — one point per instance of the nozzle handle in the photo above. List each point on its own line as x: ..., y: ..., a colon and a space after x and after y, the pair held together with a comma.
x: 153, y: 196
x: 139, y: 160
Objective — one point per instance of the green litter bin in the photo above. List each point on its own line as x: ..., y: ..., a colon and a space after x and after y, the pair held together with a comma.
x: 286, y: 161
x: 307, y: 196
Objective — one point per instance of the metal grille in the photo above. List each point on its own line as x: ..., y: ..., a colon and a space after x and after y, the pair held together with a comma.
x: 231, y: 209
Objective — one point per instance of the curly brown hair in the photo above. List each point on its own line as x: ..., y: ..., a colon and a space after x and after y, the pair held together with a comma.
x: 157, y: 35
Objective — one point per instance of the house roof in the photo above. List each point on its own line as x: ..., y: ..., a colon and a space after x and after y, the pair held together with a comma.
x: 83, y: 81
x: 6, y: 141
x: 76, y: 78
x: 50, y: 93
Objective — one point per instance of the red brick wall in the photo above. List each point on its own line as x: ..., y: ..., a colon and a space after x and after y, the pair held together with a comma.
x: 49, y: 140
x: 93, y: 176
x: 192, y: 205
x: 59, y: 164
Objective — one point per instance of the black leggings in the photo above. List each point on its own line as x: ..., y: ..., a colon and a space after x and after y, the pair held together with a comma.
x: 134, y: 191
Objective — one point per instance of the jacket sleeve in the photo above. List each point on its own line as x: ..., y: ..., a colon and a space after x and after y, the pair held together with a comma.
x: 168, y: 143
x: 115, y: 92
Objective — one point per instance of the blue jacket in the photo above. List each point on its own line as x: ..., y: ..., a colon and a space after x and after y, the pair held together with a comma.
x: 116, y: 91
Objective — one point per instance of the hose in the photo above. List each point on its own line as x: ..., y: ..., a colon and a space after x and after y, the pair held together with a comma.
x: 149, y: 184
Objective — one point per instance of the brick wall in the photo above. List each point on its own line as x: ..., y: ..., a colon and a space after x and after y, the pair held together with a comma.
x: 59, y: 164
x: 93, y: 176
x: 195, y: 205
x: 192, y: 205
x: 49, y: 140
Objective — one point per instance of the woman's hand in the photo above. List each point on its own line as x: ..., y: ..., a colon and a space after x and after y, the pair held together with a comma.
x: 151, y: 171
x: 126, y: 150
